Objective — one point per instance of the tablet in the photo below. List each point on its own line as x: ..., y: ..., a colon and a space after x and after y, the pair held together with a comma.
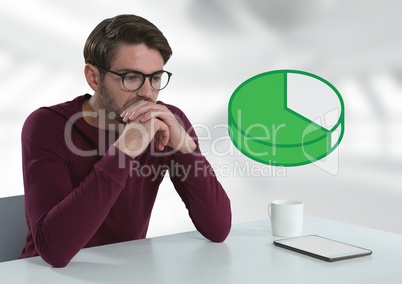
x: 322, y: 248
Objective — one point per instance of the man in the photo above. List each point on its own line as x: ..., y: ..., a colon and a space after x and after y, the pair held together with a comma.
x: 92, y: 166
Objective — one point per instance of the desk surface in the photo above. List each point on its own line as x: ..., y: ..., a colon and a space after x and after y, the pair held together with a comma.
x: 247, y: 256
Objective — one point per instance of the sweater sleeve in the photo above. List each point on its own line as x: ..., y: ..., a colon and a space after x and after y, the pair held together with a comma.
x: 62, y: 217
x: 205, y: 199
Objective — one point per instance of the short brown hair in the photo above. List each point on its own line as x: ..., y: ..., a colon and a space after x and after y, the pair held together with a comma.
x: 101, y: 45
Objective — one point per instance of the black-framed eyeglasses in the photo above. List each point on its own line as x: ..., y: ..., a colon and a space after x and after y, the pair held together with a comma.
x: 133, y: 80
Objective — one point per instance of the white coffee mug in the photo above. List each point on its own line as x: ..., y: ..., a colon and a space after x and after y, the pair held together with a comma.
x: 286, y: 217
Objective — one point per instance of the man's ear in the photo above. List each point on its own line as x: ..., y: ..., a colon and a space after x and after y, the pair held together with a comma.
x: 93, y: 77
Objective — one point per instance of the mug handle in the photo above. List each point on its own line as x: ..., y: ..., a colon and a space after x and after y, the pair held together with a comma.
x: 269, y: 210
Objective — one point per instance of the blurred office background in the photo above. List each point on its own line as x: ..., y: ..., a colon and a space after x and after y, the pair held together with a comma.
x: 355, y: 45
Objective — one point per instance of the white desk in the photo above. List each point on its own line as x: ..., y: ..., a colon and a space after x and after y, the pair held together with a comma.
x: 247, y: 256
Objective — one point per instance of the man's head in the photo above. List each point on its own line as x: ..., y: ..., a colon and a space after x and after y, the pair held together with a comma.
x: 102, y: 44
x: 119, y: 45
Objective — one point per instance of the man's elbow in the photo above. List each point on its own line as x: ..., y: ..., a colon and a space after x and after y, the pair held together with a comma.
x: 219, y: 230
x: 55, y: 256
x: 220, y: 237
x: 56, y: 261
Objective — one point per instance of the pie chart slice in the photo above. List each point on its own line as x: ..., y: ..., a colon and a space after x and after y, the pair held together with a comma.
x: 268, y: 129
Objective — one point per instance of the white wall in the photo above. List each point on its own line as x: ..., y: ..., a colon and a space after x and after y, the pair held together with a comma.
x: 356, y: 45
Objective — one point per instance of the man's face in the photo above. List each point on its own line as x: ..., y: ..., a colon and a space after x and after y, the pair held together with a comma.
x: 113, y: 97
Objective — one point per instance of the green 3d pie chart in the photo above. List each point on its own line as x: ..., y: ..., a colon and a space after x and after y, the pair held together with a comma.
x: 286, y: 118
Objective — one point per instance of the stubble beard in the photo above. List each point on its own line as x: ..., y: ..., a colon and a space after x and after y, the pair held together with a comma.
x: 108, y: 103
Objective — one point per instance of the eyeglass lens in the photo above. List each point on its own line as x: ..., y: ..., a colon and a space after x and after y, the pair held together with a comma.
x: 134, y: 80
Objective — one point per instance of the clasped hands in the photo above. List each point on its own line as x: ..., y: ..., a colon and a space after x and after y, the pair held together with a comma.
x: 146, y: 120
